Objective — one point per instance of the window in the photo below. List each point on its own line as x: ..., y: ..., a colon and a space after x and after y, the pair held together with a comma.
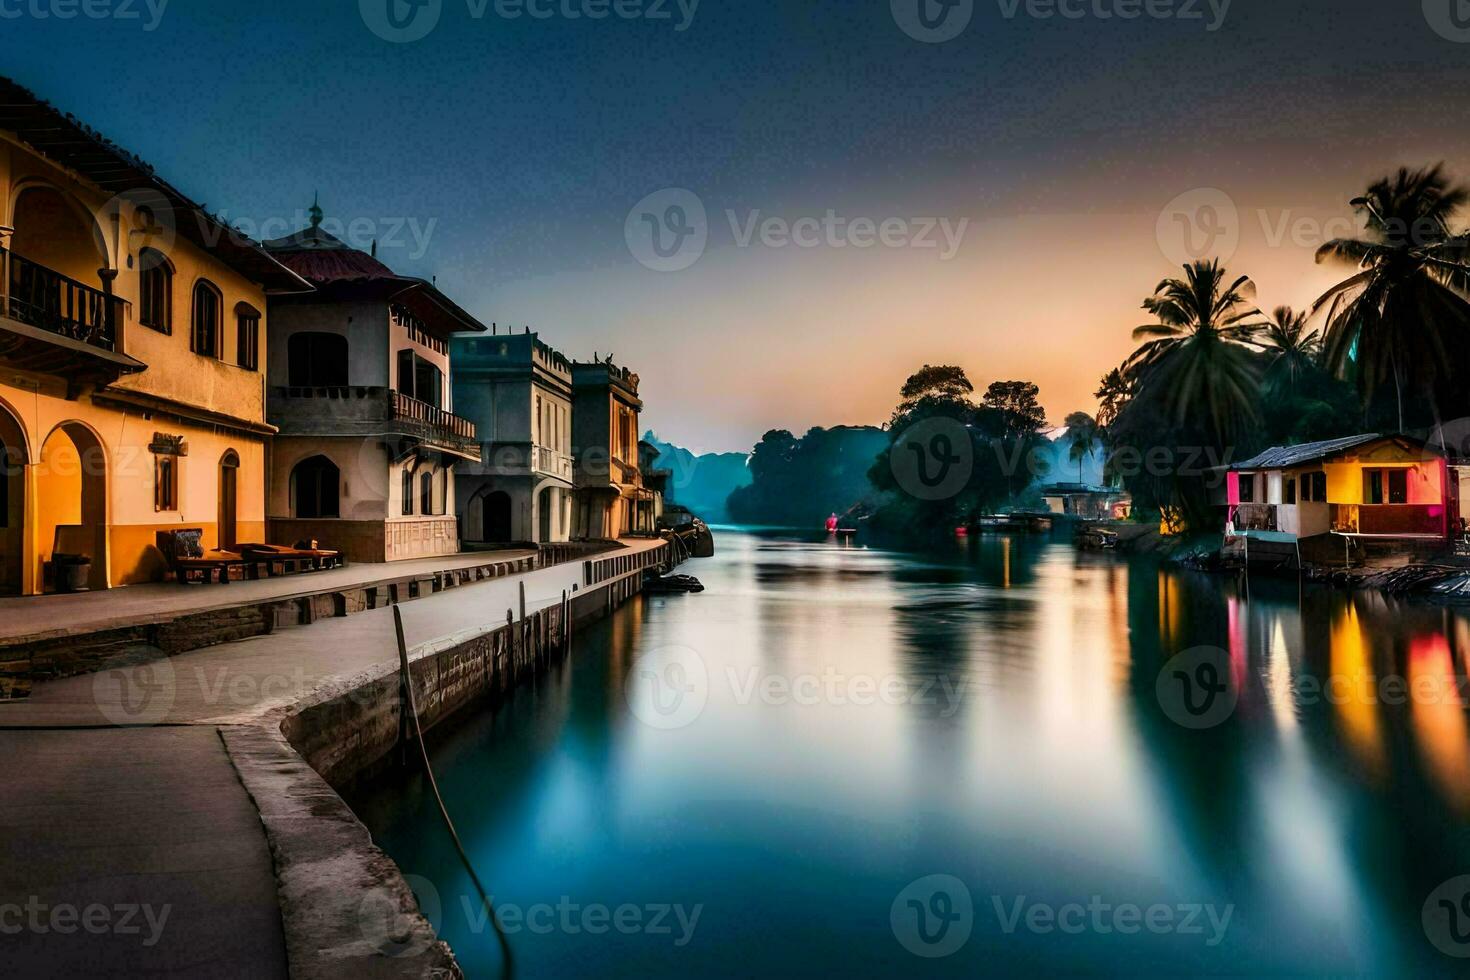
x: 1386, y: 486
x: 426, y: 493
x: 407, y: 492
x: 155, y: 291
x: 1288, y: 490
x: 1314, y: 488
x: 247, y: 337
x: 420, y: 379
x: 1247, y: 488
x: 316, y: 488
x: 165, y: 483
x: 1398, y: 486
x: 204, y: 338
x: 316, y: 360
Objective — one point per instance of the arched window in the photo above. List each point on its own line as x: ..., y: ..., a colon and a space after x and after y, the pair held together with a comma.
x: 316, y: 360
x: 316, y: 488
x: 407, y: 491
x: 208, y: 309
x: 426, y: 493
x: 155, y: 291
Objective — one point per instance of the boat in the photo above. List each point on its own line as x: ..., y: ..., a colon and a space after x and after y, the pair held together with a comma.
x: 999, y: 522
x: 1091, y: 537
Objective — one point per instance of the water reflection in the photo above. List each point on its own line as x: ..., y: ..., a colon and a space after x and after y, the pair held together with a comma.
x: 990, y: 714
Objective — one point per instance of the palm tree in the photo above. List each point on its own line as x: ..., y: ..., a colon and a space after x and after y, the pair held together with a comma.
x: 1086, y: 436
x: 1294, y: 349
x: 1113, y: 396
x: 1195, y: 361
x: 1402, y: 316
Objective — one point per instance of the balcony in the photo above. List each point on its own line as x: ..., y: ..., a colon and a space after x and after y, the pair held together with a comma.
x: 1390, y: 520
x: 370, y: 412
x: 1255, y: 517
x: 549, y: 462
x: 53, y: 324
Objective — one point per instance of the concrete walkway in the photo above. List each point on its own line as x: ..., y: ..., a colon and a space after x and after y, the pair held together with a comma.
x: 32, y: 618
x: 102, y: 806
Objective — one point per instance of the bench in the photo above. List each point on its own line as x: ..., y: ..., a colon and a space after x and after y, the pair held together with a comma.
x: 184, y: 551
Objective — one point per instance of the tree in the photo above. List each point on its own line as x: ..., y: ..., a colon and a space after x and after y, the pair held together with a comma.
x: 1401, y: 317
x: 944, y: 381
x: 1294, y: 350
x: 1017, y: 402
x: 1194, y: 364
x: 1113, y: 396
x: 1086, y: 437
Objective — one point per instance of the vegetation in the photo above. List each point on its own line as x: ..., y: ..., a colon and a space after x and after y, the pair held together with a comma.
x: 797, y: 482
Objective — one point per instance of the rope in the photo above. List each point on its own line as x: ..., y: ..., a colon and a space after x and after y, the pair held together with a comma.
x: 407, y: 681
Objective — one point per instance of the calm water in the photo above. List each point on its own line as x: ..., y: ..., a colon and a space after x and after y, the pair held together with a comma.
x: 803, y: 746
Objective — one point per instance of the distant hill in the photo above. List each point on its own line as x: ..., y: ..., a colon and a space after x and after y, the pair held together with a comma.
x: 799, y: 481
x: 702, y: 483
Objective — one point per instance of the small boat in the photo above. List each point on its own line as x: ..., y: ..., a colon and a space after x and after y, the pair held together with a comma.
x: 999, y: 522
x: 1097, y: 539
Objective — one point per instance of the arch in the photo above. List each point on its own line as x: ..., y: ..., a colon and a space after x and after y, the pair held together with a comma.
x: 15, y: 457
x: 206, y: 319
x: 316, y: 359
x: 316, y: 489
x: 38, y: 235
x: 155, y: 290
x: 495, y: 511
x: 229, y: 500
x: 71, y: 502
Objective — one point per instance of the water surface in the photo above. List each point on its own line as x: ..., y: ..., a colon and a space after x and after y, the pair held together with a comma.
x: 798, y: 751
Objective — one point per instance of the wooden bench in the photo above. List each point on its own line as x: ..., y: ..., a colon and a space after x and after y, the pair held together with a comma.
x: 281, y: 560
x: 184, y: 551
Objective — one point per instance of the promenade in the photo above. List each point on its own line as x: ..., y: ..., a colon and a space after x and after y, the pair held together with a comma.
x: 121, y: 792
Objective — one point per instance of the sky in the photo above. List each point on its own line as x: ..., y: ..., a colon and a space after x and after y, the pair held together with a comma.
x: 840, y: 194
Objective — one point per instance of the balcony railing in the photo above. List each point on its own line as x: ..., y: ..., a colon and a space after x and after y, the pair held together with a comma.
x: 44, y: 298
x: 1390, y: 520
x: 413, y: 410
x: 553, y: 463
x: 1255, y: 517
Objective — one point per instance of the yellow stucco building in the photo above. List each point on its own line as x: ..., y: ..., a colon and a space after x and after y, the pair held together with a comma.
x: 132, y: 347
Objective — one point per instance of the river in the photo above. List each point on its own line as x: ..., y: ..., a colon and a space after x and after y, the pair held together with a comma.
x: 848, y: 761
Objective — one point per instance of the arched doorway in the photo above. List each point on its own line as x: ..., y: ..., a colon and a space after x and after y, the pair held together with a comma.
x: 14, y: 456
x: 229, y: 500
x: 71, y: 502
x: 316, y: 489
x: 496, y: 515
x: 544, y: 505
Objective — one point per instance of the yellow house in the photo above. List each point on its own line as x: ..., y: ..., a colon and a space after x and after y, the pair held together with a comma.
x: 132, y: 335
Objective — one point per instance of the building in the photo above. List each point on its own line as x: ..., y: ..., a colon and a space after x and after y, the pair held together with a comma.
x: 133, y: 327
x: 518, y: 393
x: 655, y: 481
x: 1086, y: 502
x: 1367, y: 487
x: 360, y: 388
x: 609, y: 500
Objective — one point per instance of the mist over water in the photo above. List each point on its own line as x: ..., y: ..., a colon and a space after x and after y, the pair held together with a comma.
x: 853, y: 722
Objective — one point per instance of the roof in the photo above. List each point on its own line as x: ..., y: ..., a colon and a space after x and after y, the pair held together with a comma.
x: 336, y: 268
x: 1057, y: 489
x: 64, y: 139
x: 1287, y: 457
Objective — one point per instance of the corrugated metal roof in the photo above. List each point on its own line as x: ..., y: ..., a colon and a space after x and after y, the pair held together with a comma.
x: 1286, y: 457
